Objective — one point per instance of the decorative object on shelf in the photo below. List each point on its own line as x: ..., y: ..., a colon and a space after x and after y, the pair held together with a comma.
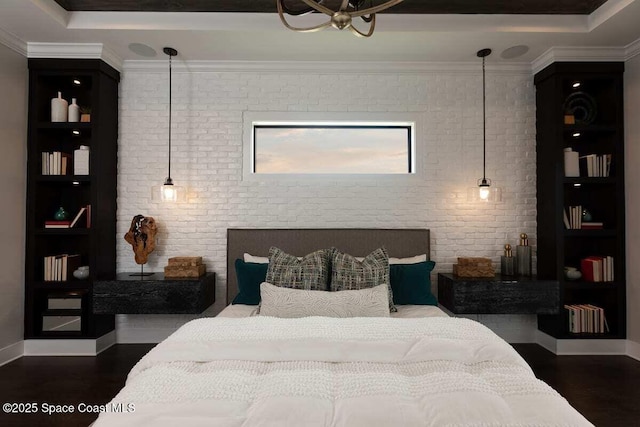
x: 168, y: 191
x: 484, y: 191
x: 142, y: 238
x: 179, y: 267
x: 523, y: 256
x: 473, y: 267
x: 572, y: 273
x: 569, y: 119
x: 61, y: 214
x: 59, y: 109
x: 571, y: 163
x: 507, y: 262
x: 81, y: 160
x: 586, y: 215
x: 81, y: 272
x: 85, y: 114
x: 74, y: 111
x: 582, y: 107
x: 339, y: 19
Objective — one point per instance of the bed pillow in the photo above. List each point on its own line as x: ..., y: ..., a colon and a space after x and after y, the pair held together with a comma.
x: 411, y: 283
x: 410, y: 260
x: 249, y: 276
x: 309, y: 273
x: 294, y: 303
x: 255, y: 259
x: 347, y: 273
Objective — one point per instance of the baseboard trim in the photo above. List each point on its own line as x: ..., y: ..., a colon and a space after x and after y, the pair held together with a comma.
x: 67, y: 347
x: 581, y: 347
x: 106, y: 341
x: 633, y: 349
x: 11, y: 352
x: 143, y: 335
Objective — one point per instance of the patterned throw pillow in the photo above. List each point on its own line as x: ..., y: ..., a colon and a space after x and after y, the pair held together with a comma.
x: 293, y: 303
x: 347, y: 273
x: 310, y: 273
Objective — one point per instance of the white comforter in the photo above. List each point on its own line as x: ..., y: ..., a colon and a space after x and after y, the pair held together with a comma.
x: 316, y: 371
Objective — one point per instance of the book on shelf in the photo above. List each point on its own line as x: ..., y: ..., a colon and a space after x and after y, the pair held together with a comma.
x: 56, y: 163
x: 597, y: 269
x: 57, y: 224
x: 592, y: 225
x: 77, y: 217
x: 58, y: 268
x: 595, y: 165
x: 586, y: 318
x: 573, y: 220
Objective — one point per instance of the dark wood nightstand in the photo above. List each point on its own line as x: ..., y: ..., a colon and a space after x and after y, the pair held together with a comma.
x: 153, y: 294
x: 497, y: 295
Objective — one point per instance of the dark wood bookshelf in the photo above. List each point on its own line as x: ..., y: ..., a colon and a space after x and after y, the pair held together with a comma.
x: 45, y: 193
x: 602, y: 83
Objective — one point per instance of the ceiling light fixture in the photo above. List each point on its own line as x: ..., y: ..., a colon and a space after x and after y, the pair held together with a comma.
x: 340, y: 19
x: 484, y: 191
x: 168, y: 191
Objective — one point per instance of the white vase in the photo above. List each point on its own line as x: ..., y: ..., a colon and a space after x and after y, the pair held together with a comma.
x: 59, y: 109
x: 74, y: 111
x: 81, y: 272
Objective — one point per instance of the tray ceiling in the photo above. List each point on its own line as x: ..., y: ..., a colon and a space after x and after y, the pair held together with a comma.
x: 555, y: 7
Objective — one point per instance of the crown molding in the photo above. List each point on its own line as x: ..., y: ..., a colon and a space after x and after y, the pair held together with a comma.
x: 13, y: 42
x: 74, y: 51
x: 578, y: 54
x: 324, y: 67
x: 632, y: 50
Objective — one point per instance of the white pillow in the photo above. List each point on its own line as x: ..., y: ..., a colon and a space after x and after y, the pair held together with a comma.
x: 255, y: 259
x: 294, y: 303
x: 411, y: 260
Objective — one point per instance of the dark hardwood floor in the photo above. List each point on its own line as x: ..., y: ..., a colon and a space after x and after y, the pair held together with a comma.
x: 606, y: 389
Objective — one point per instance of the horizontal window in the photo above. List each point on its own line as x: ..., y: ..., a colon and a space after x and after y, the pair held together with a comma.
x: 332, y: 148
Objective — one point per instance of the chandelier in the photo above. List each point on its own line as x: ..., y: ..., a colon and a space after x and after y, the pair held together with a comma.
x: 339, y: 19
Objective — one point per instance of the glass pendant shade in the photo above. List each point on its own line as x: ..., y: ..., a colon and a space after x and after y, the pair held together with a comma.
x: 484, y: 192
x: 168, y: 192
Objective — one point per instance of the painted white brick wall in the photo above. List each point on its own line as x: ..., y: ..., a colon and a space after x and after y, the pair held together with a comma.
x: 207, y: 159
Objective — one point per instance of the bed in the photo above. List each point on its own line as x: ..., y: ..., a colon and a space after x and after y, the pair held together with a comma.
x: 417, y: 367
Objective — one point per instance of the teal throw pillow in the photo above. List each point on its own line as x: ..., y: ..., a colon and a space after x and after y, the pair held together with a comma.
x: 411, y: 283
x: 249, y: 276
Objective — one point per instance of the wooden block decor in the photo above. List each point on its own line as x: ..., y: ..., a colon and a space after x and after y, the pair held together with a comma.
x: 473, y: 261
x: 179, y: 271
x: 186, y: 260
x: 184, y: 267
x: 474, y: 267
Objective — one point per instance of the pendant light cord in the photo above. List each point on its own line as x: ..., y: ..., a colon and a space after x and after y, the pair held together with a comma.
x: 484, y: 125
x: 169, y: 175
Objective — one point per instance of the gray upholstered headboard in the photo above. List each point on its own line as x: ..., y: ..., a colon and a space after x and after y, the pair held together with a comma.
x: 356, y: 241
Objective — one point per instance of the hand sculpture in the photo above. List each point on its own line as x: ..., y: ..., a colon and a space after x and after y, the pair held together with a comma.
x: 142, y: 237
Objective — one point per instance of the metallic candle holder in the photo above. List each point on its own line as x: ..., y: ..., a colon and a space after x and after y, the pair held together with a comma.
x: 507, y: 262
x: 523, y: 256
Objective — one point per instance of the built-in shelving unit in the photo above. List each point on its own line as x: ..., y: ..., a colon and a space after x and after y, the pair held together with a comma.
x: 598, y: 130
x: 95, y: 86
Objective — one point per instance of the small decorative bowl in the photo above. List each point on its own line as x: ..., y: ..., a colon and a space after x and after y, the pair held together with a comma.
x: 572, y: 273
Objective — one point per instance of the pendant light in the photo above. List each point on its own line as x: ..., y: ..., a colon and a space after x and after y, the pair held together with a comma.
x: 484, y: 191
x: 168, y: 191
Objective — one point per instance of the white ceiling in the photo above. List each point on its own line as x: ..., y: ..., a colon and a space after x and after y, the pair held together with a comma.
x: 261, y: 37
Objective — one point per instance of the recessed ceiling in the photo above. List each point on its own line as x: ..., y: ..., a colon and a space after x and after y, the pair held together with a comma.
x: 544, y: 7
x: 454, y: 36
